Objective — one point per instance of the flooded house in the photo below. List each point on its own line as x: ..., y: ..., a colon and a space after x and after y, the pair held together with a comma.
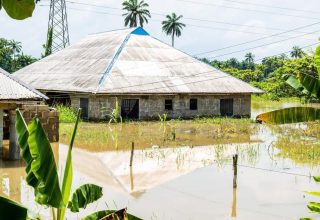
x: 141, y: 74
x: 16, y: 94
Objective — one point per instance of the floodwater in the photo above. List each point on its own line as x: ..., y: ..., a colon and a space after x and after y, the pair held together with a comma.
x: 184, y: 173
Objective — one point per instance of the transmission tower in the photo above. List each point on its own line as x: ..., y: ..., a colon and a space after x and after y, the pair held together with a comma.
x: 58, y: 26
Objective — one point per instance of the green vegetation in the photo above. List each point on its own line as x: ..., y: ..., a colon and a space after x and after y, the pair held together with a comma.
x: 67, y: 114
x: 172, y: 26
x: 299, y: 144
x: 314, y: 206
x: 98, y: 137
x: 12, y: 57
x: 42, y: 175
x: 271, y: 74
x: 18, y: 9
x: 136, y: 12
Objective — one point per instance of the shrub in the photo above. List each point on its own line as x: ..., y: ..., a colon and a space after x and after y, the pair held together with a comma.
x: 67, y: 114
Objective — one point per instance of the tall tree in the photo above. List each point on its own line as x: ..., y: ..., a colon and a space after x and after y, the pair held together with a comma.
x: 15, y: 47
x: 172, y: 26
x: 136, y: 13
x: 249, y: 60
x: 296, y: 52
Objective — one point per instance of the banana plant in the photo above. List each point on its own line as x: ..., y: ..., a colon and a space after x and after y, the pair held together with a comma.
x: 306, y: 84
x: 314, y: 206
x: 42, y: 175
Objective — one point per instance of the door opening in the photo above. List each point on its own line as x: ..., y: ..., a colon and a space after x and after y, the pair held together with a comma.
x: 226, y: 107
x: 84, y: 105
x: 130, y: 109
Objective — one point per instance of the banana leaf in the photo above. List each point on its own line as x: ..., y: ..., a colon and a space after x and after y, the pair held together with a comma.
x: 19, y: 9
x: 23, y: 136
x: 295, y: 83
x: 12, y: 210
x: 289, y: 115
x: 317, y: 179
x: 68, y: 173
x: 112, y: 214
x: 314, y: 207
x: 43, y: 166
x: 83, y: 196
x: 310, y: 83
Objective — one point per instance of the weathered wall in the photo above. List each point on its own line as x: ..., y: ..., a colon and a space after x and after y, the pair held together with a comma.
x: 49, y: 119
x: 151, y: 106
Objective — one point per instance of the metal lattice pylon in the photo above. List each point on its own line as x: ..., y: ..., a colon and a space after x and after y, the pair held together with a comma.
x: 58, y: 24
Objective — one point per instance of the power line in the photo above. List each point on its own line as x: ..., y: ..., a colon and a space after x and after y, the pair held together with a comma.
x: 306, y: 46
x: 259, y: 39
x: 192, y: 25
x: 263, y: 45
x: 187, y: 18
x: 272, y: 6
x: 246, y: 9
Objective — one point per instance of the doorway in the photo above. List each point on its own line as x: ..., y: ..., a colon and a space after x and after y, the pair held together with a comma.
x: 84, y: 105
x: 130, y: 109
x: 226, y: 107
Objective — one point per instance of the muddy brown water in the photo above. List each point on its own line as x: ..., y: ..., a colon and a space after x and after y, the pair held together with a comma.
x: 191, y: 180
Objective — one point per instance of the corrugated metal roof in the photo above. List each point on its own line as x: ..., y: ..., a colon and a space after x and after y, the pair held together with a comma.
x: 13, y: 89
x: 126, y: 62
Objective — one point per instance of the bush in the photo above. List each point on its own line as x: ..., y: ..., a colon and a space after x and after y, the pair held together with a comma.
x: 67, y: 114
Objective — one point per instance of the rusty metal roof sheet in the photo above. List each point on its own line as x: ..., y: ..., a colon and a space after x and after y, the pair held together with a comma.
x: 13, y: 89
x: 128, y: 61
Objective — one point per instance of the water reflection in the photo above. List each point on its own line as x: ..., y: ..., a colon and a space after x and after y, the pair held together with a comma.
x: 185, y: 171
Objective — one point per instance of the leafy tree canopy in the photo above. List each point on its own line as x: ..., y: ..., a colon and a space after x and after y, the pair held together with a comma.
x: 11, y: 56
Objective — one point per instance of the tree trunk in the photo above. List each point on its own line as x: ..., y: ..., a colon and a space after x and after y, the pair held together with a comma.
x: 173, y: 39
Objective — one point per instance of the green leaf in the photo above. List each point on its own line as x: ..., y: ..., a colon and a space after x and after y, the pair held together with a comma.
x: 290, y: 115
x: 83, y: 196
x: 313, y: 193
x: 110, y: 214
x: 68, y: 173
x: 314, y: 207
x: 44, y: 177
x: 295, y: 83
x: 23, y: 136
x: 317, y: 59
x: 12, y: 210
x: 311, y: 84
x: 19, y: 9
x: 306, y: 218
x: 317, y: 179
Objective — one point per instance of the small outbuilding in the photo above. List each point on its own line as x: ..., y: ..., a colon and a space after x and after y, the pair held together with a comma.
x: 14, y: 94
x: 146, y: 76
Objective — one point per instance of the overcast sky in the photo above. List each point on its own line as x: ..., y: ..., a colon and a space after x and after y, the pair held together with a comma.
x: 231, y: 22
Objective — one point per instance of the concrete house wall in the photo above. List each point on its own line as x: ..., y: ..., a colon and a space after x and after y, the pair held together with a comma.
x: 152, y: 105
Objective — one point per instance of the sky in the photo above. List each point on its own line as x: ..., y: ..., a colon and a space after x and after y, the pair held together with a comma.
x: 216, y: 29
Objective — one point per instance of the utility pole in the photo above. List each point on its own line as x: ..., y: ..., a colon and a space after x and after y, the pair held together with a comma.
x: 58, y: 33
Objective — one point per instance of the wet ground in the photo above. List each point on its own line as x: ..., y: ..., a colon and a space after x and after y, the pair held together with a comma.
x: 185, y: 173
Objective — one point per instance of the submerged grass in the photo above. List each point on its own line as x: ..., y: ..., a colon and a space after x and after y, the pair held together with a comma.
x: 300, y: 143
x: 198, y: 132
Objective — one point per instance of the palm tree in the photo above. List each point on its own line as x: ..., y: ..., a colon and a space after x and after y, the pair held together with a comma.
x: 296, y: 52
x: 172, y: 26
x: 136, y: 12
x: 249, y: 61
x: 15, y: 47
x: 249, y: 58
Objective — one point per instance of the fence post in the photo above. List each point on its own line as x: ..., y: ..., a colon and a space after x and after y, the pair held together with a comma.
x: 235, y: 170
